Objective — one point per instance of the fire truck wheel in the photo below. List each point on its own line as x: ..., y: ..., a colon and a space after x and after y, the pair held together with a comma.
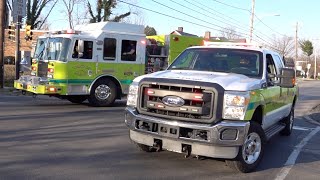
x: 76, y: 99
x: 103, y: 93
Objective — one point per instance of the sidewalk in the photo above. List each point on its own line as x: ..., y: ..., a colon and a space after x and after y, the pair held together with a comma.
x: 315, y: 113
x: 6, y: 90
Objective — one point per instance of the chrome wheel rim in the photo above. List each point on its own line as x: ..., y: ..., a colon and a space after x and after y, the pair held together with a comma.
x: 102, y: 92
x: 251, y: 149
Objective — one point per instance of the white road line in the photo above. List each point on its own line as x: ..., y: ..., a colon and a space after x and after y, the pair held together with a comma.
x: 300, y: 128
x: 308, y: 118
x: 294, y: 155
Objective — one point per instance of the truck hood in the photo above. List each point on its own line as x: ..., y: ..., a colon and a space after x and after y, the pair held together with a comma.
x: 229, y: 81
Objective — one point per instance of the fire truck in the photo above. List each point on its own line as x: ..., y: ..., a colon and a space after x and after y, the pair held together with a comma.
x: 92, y: 62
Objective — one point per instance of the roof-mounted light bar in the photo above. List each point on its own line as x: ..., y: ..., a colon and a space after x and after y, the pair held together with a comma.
x: 69, y: 31
x: 208, y: 43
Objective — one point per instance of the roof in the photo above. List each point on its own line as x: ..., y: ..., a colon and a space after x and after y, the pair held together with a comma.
x: 181, y: 33
x: 112, y: 27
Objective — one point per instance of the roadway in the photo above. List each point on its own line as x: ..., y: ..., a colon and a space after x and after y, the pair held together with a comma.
x: 48, y: 138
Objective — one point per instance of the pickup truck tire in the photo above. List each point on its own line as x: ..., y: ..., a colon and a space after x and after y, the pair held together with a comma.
x: 289, y: 123
x: 251, y: 152
x: 76, y: 99
x: 103, y: 93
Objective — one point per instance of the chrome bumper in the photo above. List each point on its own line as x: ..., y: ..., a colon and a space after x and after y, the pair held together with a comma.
x: 214, y: 144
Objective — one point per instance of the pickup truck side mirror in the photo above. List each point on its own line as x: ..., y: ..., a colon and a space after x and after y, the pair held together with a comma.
x: 287, y: 78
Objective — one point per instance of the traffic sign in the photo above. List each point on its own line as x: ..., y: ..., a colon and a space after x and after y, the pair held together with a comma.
x: 18, y: 9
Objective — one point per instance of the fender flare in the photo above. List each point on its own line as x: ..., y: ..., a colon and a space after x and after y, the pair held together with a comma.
x: 106, y: 76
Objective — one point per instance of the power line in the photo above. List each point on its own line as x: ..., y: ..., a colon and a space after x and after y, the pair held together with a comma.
x: 205, y: 14
x: 182, y: 19
x: 268, y: 26
x: 232, y: 6
x: 191, y: 16
x: 221, y: 14
x: 248, y: 11
x: 168, y: 15
x: 238, y: 26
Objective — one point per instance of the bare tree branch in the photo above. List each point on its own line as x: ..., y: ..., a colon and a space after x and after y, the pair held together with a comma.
x: 229, y: 33
x: 45, y: 19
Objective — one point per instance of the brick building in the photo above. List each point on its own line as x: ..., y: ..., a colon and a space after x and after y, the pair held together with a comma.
x: 9, y: 46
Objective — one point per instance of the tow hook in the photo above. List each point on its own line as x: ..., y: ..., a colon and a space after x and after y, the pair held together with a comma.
x: 34, y: 95
x: 157, y: 145
x: 200, y: 157
x: 187, y: 150
x: 23, y: 92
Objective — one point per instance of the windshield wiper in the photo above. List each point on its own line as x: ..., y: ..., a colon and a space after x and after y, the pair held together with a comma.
x: 180, y: 68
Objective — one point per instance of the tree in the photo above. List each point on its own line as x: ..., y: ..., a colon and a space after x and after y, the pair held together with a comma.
x: 306, y: 47
x: 104, y: 11
x: 284, y: 45
x: 69, y: 5
x: 150, y: 31
x: 34, y: 10
x: 229, y: 33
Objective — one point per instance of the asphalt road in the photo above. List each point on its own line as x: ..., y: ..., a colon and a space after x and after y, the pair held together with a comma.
x: 48, y: 138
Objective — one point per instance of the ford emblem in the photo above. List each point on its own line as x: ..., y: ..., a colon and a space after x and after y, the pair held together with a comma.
x: 174, y: 101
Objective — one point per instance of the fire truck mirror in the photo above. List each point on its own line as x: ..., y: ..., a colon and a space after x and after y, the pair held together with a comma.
x: 80, y: 47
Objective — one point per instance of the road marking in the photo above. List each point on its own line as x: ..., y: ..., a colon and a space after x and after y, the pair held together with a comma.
x: 299, y: 128
x: 309, y: 119
x: 294, y: 155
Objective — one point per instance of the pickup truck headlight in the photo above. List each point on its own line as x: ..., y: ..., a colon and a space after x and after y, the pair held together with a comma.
x: 235, y: 105
x: 133, y: 95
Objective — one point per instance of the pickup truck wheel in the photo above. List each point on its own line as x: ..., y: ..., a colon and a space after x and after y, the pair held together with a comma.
x: 251, y: 152
x: 289, y: 124
x: 103, y: 93
x: 76, y: 99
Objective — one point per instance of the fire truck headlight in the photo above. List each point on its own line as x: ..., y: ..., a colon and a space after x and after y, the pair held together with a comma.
x: 133, y: 95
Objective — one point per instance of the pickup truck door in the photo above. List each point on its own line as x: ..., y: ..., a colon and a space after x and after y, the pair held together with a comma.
x: 272, y: 94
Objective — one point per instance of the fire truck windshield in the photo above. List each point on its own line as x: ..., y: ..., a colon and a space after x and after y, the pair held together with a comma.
x: 52, y: 48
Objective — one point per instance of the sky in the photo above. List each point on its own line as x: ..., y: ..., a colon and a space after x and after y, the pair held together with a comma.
x: 278, y: 17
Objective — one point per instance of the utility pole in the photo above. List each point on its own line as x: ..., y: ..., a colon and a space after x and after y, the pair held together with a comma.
x: 315, y: 63
x: 17, y: 55
x: 2, y: 27
x: 296, y: 44
x: 252, y: 19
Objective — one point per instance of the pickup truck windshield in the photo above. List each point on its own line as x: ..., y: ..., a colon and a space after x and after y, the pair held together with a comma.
x: 246, y: 62
x: 52, y: 49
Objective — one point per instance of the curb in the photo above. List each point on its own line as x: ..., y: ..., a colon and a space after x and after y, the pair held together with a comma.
x: 6, y: 90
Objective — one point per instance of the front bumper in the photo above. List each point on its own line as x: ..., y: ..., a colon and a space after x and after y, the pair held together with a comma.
x: 221, y: 140
x: 36, y: 85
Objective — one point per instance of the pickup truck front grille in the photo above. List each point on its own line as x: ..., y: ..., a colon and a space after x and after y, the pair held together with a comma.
x: 178, y: 102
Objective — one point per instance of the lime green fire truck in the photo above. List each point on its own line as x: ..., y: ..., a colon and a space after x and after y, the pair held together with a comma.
x: 93, y: 62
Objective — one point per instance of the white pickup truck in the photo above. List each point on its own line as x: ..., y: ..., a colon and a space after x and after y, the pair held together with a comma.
x: 223, y: 100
